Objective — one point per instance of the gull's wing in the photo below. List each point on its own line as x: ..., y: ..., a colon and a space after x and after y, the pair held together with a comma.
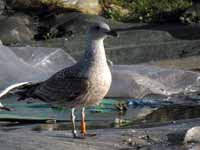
x: 62, y: 89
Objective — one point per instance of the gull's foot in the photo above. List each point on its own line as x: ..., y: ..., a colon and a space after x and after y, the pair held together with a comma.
x: 88, y: 134
x: 76, y: 135
x: 81, y: 136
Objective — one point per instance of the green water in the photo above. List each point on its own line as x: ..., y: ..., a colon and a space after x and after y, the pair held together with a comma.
x: 108, y: 114
x: 42, y: 111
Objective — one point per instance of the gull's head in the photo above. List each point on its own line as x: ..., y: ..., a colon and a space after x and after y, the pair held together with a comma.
x: 100, y: 30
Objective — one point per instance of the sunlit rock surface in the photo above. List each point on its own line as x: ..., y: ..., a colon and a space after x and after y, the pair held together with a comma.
x: 46, y: 59
x: 193, y: 135
x: 85, y: 6
x: 141, y: 80
x: 30, y: 64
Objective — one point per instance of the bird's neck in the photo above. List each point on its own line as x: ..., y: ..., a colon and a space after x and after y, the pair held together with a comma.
x: 95, y: 51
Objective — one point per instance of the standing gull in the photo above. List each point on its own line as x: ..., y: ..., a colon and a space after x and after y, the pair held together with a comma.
x: 83, y: 84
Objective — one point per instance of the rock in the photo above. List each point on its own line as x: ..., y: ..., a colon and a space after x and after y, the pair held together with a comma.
x: 193, y: 135
x: 30, y: 64
x: 48, y: 59
x: 176, y: 138
x: 122, y: 11
x: 84, y: 6
x: 141, y: 80
x: 77, y: 23
x: 168, y: 45
x: 23, y: 4
x: 16, y: 28
x: 192, y: 14
x: 186, y: 63
x: 164, y: 43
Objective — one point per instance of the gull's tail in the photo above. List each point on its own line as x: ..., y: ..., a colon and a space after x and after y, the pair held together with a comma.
x: 23, y: 90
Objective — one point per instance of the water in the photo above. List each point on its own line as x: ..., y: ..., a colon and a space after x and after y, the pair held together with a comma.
x: 111, y: 113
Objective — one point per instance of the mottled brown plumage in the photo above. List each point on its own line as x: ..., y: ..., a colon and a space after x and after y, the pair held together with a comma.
x: 80, y: 85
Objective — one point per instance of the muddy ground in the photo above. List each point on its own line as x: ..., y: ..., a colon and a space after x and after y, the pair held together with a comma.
x: 168, y: 136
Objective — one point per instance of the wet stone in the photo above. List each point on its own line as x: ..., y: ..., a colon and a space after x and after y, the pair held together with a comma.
x: 193, y: 135
x: 176, y: 138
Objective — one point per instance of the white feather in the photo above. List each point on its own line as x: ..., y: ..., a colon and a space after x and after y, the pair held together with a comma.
x: 11, y: 87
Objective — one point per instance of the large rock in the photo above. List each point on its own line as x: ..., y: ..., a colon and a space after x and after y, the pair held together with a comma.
x: 30, y: 64
x: 85, y: 6
x: 141, y: 80
x: 193, y: 135
x: 186, y: 63
x: 192, y: 14
x: 16, y: 28
x: 23, y: 4
x: 47, y: 59
x: 168, y: 45
x: 77, y: 23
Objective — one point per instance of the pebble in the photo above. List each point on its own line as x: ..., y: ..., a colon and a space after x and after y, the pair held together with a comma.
x: 193, y: 135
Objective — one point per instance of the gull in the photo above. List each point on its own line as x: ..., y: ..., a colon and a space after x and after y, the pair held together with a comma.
x: 76, y: 87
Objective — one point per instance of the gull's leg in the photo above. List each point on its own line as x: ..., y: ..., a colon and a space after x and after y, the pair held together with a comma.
x: 83, y: 123
x: 73, y: 117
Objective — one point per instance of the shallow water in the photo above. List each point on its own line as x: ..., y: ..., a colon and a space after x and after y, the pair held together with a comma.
x: 110, y: 113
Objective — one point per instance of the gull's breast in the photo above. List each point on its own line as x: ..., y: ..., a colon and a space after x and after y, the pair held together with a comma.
x: 100, y: 85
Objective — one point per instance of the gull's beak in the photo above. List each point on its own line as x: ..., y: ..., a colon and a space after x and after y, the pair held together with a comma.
x: 112, y: 33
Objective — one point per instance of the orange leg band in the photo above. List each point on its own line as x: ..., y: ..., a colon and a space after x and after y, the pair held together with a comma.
x: 83, y: 123
x: 83, y: 127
